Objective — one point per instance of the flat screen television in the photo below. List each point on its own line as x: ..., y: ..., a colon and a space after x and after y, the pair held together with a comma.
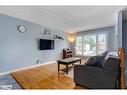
x: 46, y: 44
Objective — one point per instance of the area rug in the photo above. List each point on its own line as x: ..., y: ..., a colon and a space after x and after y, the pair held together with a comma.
x: 8, y: 82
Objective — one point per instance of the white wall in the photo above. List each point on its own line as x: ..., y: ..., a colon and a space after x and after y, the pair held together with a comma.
x: 19, y: 50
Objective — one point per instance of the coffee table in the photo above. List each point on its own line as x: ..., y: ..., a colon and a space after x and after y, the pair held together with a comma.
x: 67, y: 62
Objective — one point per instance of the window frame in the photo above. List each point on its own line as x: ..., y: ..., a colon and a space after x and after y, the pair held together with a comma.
x: 97, y: 35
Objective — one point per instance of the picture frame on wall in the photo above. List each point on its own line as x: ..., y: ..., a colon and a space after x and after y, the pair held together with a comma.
x: 47, y: 31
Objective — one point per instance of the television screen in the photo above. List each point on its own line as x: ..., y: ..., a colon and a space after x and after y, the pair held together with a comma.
x: 46, y: 44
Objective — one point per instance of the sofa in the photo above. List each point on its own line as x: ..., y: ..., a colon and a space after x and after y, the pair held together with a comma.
x: 99, y: 72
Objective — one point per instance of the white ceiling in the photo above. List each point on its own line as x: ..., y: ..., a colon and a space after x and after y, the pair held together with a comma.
x: 66, y: 18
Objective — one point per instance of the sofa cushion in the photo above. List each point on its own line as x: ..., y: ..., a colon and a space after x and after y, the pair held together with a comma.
x: 112, y: 64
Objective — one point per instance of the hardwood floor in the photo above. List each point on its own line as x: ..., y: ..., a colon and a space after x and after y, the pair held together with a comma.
x: 44, y: 77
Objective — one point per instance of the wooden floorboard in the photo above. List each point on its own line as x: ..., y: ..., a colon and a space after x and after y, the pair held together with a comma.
x: 44, y: 77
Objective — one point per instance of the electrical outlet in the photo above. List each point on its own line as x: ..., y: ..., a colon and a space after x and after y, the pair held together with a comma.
x: 38, y: 61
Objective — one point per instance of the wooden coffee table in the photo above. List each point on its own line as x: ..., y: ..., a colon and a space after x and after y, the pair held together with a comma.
x: 67, y: 62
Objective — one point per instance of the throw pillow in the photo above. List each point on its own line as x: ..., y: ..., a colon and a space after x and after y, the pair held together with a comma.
x: 101, y: 64
x: 94, y: 61
x: 97, y: 60
x: 103, y: 54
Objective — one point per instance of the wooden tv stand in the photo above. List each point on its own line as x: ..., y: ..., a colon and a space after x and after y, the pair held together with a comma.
x: 67, y: 53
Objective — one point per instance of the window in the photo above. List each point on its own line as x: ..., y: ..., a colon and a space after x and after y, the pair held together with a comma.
x: 91, y: 44
x: 101, y: 43
x: 79, y: 45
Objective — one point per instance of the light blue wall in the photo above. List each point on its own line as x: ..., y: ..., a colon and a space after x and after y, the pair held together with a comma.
x: 110, y: 36
x: 19, y: 50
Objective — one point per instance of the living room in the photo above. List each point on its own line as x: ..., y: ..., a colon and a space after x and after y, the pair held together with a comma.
x: 32, y: 40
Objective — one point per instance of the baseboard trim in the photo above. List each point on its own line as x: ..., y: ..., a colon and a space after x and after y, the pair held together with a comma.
x: 33, y: 66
